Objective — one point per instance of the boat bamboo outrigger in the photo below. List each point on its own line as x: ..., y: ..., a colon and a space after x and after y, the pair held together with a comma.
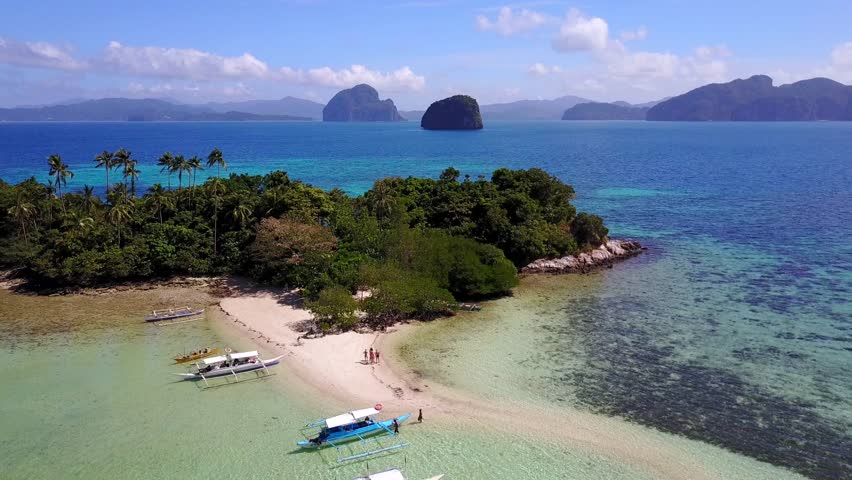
x: 341, y: 430
x: 392, y: 474
x: 230, y: 364
x: 174, y: 314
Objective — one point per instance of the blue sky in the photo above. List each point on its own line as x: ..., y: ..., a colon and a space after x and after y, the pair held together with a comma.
x: 414, y: 51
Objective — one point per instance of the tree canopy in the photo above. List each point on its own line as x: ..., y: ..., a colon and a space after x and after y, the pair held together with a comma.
x: 417, y: 244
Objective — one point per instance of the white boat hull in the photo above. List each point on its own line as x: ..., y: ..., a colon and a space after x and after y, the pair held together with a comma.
x: 221, y: 372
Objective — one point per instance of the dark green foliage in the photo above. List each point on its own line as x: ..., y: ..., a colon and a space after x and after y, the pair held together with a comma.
x: 418, y: 245
x: 334, y: 309
x: 459, y: 112
x: 589, y: 230
x: 405, y: 294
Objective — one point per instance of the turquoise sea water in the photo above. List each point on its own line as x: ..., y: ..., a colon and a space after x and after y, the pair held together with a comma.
x: 734, y: 328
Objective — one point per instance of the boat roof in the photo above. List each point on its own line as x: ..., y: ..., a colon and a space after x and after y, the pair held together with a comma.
x: 216, y: 359
x: 350, y: 417
x: 393, y: 474
x: 241, y: 355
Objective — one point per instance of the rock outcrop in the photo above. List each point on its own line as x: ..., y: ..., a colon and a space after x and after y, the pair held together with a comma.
x: 459, y: 112
x: 360, y: 104
x: 603, y: 256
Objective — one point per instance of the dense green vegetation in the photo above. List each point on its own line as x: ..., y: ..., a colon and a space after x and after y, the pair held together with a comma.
x: 416, y: 244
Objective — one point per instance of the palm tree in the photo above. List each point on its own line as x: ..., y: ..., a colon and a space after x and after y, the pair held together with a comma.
x: 217, y: 188
x: 158, y: 200
x: 194, y: 164
x: 241, y: 213
x: 216, y: 158
x: 121, y: 158
x: 131, y: 171
x: 89, y: 198
x: 179, y: 166
x: 166, y: 163
x: 383, y: 199
x: 60, y: 173
x: 22, y: 211
x: 105, y: 160
x: 119, y: 215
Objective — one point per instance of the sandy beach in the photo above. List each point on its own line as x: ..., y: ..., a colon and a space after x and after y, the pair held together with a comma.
x: 333, y: 366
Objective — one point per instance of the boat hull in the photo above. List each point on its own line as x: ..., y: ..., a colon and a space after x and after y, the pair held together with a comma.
x: 221, y: 372
x: 172, y: 316
x: 344, y: 436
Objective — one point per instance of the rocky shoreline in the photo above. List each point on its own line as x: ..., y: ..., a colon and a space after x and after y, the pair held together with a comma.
x: 602, y: 257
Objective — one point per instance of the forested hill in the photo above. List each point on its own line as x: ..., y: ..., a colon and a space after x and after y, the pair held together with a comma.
x: 418, y: 243
x: 756, y: 99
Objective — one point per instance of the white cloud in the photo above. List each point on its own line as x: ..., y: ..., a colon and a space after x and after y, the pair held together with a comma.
x: 397, y: 80
x: 540, y: 69
x: 581, y: 33
x: 180, y: 63
x: 645, y: 64
x: 509, y: 22
x: 639, y: 34
x: 37, y: 54
x: 841, y: 56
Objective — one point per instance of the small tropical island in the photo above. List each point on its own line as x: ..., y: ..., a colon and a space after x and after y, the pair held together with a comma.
x: 360, y: 103
x: 419, y: 245
x: 459, y: 112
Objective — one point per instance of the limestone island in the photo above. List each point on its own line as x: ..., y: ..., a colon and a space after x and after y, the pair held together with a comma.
x: 360, y: 103
x: 459, y: 112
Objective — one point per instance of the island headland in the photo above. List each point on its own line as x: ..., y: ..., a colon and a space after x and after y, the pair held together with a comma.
x: 459, y: 112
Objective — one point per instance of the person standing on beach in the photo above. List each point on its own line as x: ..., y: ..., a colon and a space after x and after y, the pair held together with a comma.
x: 372, y: 356
x: 395, y: 426
x: 377, y: 356
x: 420, y: 416
x: 365, y: 356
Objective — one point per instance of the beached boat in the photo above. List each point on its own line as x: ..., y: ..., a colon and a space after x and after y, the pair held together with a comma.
x: 229, y: 364
x: 392, y: 474
x: 173, y: 313
x: 356, y: 425
x: 197, y: 355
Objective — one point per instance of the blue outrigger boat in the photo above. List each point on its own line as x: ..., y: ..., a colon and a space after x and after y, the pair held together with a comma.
x: 356, y: 425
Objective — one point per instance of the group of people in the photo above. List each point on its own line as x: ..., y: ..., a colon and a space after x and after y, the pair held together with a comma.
x: 371, y: 356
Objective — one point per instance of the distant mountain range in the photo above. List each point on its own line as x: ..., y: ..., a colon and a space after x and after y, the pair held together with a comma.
x: 756, y: 99
x: 605, y: 111
x: 126, y: 109
x: 298, y: 107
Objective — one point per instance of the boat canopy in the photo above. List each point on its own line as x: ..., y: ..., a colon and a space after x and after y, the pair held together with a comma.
x: 351, y: 417
x: 242, y: 355
x: 388, y: 475
x: 214, y: 360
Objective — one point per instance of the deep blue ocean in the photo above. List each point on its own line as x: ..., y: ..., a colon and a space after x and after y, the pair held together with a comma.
x: 738, y: 326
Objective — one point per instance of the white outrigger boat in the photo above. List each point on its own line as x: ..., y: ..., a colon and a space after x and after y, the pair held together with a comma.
x: 230, y: 364
x: 392, y: 474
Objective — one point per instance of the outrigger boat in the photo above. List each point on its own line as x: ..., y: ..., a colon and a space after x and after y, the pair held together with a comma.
x: 197, y: 355
x: 173, y: 313
x: 356, y: 425
x: 392, y: 474
x: 230, y: 364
